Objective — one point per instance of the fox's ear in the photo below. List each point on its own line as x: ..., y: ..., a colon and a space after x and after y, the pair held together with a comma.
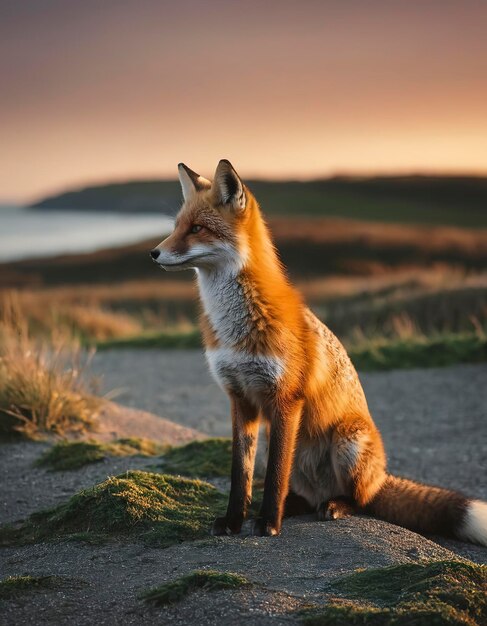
x: 228, y: 187
x: 191, y: 182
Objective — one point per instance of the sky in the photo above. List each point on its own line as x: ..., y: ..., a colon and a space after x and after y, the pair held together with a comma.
x: 117, y: 89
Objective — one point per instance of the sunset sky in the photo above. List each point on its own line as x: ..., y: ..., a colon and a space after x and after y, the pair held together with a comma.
x: 96, y: 91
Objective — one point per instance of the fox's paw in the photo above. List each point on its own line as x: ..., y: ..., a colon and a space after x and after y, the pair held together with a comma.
x: 335, y: 509
x: 222, y: 526
x: 262, y: 528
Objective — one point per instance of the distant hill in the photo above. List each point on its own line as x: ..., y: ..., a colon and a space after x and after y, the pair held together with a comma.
x: 460, y: 201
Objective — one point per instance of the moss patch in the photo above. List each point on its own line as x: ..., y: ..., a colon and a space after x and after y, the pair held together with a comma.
x: 208, y: 580
x: 177, y: 339
x: 205, y: 459
x: 72, y: 455
x: 15, y: 586
x: 437, y: 351
x: 159, y: 509
x: 433, y: 594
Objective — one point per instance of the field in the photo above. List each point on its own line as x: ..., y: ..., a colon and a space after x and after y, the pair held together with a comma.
x: 370, y: 282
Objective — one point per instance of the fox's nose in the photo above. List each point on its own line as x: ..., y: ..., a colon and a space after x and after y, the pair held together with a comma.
x: 155, y: 253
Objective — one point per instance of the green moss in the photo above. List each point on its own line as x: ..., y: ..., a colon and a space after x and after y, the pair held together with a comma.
x: 381, y: 354
x: 420, y: 352
x: 158, y: 509
x: 442, y: 593
x: 129, y: 446
x: 178, y: 589
x: 206, y: 459
x: 72, y: 455
x: 176, y: 339
x: 90, y: 538
x: 15, y: 586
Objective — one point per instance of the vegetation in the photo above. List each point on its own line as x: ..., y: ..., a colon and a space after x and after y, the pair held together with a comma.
x: 311, y: 248
x: 442, y: 593
x: 420, y: 352
x: 166, y: 340
x: 408, y: 199
x: 394, y: 294
x: 207, y: 580
x: 15, y: 586
x: 376, y: 353
x: 42, y: 386
x: 71, y: 455
x: 201, y: 459
x: 90, y: 322
x: 157, y: 508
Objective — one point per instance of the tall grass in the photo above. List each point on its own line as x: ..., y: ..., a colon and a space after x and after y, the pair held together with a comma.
x: 49, y: 315
x: 42, y: 381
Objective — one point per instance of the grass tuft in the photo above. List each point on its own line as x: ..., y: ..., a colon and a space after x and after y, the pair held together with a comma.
x: 204, y: 459
x: 71, y: 455
x: 207, y: 580
x: 15, y: 586
x: 159, y: 509
x: 42, y: 388
x: 442, y: 593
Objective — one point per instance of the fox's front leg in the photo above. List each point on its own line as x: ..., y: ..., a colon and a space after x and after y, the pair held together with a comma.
x: 284, y: 418
x: 245, y: 426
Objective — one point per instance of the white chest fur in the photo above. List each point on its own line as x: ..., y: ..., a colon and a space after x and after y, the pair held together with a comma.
x: 248, y: 374
x: 225, y: 304
x: 229, y: 313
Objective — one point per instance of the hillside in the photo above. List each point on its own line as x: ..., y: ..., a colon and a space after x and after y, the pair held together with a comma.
x: 460, y: 201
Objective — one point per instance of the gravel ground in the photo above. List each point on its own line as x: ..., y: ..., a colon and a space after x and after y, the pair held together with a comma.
x: 434, y: 426
x: 289, y: 572
x: 26, y: 489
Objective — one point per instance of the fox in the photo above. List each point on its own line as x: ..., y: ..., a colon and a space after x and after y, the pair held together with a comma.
x: 282, y: 367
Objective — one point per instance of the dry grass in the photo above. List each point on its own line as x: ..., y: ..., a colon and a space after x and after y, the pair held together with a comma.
x: 42, y: 383
x: 92, y: 322
x: 99, y: 313
x: 396, y: 305
x: 379, y: 234
x: 131, y: 294
x: 96, y: 313
x: 49, y: 314
x: 372, y: 277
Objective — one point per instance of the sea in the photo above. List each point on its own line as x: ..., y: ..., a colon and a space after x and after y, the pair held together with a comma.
x: 33, y: 233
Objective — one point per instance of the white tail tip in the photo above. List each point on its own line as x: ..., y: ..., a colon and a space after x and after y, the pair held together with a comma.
x: 474, y: 526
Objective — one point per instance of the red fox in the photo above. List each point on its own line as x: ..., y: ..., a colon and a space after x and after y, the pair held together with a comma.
x: 280, y: 364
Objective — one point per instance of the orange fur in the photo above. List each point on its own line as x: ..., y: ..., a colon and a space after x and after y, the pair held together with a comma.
x: 279, y: 363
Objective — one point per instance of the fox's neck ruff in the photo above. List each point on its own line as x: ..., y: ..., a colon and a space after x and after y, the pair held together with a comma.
x: 245, y: 297
x: 225, y: 303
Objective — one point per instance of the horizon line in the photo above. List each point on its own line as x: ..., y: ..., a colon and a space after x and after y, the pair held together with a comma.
x: 344, y: 174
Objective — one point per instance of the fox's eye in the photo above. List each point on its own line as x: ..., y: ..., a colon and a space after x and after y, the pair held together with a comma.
x: 195, y: 228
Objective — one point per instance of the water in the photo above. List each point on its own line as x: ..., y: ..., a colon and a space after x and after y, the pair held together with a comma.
x: 29, y: 234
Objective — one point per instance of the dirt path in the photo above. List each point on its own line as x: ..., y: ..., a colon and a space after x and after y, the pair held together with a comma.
x: 434, y: 426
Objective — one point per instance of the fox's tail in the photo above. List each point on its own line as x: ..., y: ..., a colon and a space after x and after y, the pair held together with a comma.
x: 430, y: 510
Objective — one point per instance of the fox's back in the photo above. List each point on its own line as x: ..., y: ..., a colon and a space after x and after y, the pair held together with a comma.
x: 333, y: 390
